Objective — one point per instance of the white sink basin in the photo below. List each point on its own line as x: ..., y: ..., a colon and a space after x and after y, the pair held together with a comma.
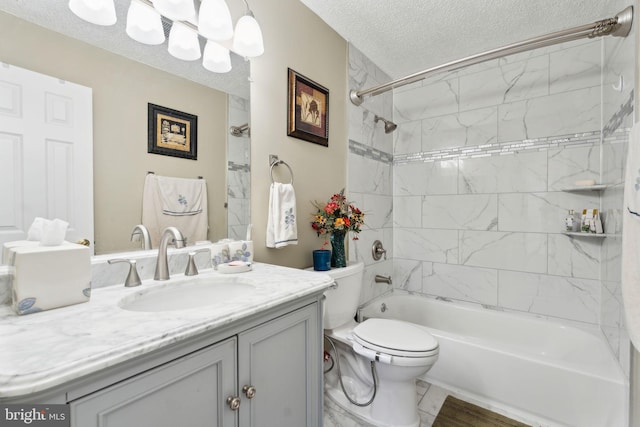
x: 192, y: 292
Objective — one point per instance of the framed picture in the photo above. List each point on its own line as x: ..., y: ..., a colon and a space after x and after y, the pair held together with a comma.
x: 172, y: 132
x: 308, y: 110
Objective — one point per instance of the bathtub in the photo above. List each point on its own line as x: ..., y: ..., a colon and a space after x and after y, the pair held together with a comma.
x: 547, y: 373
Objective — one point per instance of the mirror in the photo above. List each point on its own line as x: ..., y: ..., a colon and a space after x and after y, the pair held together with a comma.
x: 125, y: 76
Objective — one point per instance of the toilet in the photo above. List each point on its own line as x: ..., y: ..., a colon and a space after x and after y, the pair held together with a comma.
x: 401, y: 352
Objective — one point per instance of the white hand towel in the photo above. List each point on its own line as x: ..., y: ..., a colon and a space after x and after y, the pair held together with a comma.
x: 282, y: 229
x: 194, y: 227
x: 631, y: 239
x: 181, y: 196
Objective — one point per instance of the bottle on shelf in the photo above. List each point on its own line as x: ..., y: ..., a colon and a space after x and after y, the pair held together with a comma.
x: 570, y: 222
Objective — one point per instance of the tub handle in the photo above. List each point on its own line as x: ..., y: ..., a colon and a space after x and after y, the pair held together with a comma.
x: 377, y: 250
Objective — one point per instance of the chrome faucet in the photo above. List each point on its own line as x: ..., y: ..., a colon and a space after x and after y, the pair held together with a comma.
x: 141, y: 230
x: 133, y: 279
x: 170, y: 235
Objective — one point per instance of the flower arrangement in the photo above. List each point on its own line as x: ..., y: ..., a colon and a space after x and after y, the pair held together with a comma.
x: 337, y: 216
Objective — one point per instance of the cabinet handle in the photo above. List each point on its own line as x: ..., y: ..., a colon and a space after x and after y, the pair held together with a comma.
x: 233, y: 402
x: 249, y: 391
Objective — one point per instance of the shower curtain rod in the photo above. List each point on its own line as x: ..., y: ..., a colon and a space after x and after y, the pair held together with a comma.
x: 619, y: 26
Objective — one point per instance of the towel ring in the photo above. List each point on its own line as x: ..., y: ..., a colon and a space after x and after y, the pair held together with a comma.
x: 280, y: 162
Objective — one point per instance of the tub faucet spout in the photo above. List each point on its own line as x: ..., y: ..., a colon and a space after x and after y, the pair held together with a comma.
x: 383, y: 279
x: 170, y: 235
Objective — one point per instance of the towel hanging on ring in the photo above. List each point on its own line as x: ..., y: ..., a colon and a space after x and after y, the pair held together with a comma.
x: 282, y: 229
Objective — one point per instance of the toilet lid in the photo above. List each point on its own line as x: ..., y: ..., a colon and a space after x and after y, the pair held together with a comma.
x: 395, y: 337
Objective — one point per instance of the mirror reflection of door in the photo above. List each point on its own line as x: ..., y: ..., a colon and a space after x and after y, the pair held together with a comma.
x: 46, y: 153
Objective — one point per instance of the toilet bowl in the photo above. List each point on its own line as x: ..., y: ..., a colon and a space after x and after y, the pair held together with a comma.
x: 400, y: 352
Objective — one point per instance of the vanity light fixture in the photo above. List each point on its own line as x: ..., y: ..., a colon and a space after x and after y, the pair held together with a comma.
x: 176, y: 10
x: 247, y: 40
x: 144, y: 24
x: 183, y: 42
x: 213, y: 23
x: 214, y: 20
x: 99, y: 12
x: 216, y: 58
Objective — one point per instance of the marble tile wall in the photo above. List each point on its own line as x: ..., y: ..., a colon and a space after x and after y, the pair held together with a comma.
x: 370, y: 172
x: 618, y: 104
x: 481, y: 159
x: 488, y: 214
x: 238, y: 171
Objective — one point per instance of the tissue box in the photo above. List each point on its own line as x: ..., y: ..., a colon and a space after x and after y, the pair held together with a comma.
x: 8, y: 247
x: 46, y: 277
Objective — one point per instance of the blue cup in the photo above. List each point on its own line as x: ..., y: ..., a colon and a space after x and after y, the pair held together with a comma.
x: 322, y: 260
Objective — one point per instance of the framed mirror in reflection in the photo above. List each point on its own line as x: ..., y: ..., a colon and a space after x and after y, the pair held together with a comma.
x: 124, y: 76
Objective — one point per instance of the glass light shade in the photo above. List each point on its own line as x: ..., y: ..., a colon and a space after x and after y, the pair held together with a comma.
x: 183, y: 42
x: 144, y: 24
x: 176, y: 10
x: 99, y: 12
x: 247, y: 40
x: 216, y: 58
x: 214, y: 20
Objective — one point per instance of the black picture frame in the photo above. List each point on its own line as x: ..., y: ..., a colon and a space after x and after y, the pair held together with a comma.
x: 308, y: 109
x: 172, y: 132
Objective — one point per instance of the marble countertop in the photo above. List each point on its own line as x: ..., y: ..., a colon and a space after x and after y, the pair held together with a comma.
x: 50, y: 348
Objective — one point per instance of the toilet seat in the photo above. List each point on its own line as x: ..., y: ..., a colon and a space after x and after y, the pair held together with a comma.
x: 394, y: 342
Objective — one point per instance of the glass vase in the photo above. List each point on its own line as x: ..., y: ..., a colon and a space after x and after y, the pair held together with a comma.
x: 338, y: 256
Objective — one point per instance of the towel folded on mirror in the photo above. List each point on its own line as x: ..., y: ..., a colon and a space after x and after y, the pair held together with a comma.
x: 181, y: 196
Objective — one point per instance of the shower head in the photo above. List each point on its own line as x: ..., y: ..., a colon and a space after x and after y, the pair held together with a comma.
x: 389, y: 126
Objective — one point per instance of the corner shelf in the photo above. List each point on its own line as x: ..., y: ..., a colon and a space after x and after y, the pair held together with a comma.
x: 596, y: 187
x: 580, y: 234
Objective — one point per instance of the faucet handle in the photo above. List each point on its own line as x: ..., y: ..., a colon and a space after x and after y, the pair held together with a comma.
x: 378, y: 250
x: 133, y: 279
x: 192, y: 270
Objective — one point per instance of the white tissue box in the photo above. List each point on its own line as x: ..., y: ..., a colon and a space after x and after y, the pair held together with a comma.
x: 46, y: 277
x: 8, y: 247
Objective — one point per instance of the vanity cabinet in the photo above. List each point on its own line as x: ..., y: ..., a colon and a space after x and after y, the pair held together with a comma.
x: 282, y: 360
x: 190, y: 391
x: 267, y: 375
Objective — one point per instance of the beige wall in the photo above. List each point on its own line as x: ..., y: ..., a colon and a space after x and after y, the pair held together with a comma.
x: 295, y: 38
x: 121, y: 91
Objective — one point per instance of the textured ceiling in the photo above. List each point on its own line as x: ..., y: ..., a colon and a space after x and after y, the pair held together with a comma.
x: 407, y: 36
x: 55, y: 15
x: 401, y: 37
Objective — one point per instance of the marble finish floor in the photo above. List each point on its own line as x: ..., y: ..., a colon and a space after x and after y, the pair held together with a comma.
x: 430, y: 400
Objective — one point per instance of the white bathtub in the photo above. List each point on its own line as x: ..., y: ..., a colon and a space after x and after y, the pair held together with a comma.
x: 547, y: 372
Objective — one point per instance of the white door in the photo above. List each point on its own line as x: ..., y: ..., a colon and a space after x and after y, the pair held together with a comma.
x: 46, y: 153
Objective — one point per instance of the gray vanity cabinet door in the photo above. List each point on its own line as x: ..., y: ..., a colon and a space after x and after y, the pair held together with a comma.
x: 281, y: 360
x: 188, y: 392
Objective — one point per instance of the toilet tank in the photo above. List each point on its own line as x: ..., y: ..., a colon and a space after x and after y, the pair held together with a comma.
x: 342, y: 302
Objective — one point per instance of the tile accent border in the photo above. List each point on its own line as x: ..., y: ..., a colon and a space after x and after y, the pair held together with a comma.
x: 368, y: 152
x: 513, y: 147
x: 616, y: 120
x: 233, y: 166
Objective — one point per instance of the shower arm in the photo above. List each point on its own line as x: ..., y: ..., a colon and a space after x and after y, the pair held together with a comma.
x: 239, y: 130
x: 618, y: 26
